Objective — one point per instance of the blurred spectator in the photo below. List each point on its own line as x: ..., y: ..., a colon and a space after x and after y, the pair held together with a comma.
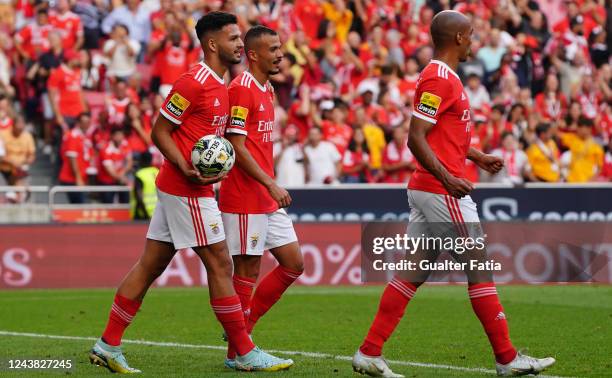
x: 144, y: 195
x: 289, y: 159
x: 516, y: 164
x: 122, y: 51
x: 32, y: 40
x: 339, y: 16
x: 323, y: 161
x: 551, y: 103
x: 477, y: 93
x: 375, y: 139
x: 90, y: 71
x: 355, y: 162
x: 68, y: 24
x: 38, y: 76
x: 398, y: 162
x: 117, y: 104
x: 491, y: 53
x: 586, y: 156
x: 137, y: 125
x: 588, y: 96
x: 20, y: 153
x: 543, y: 155
x: 115, y: 164
x: 65, y: 93
x: 606, y: 171
x: 573, y: 115
x: 335, y: 130
x: 135, y: 15
x: 91, y: 14
x: 76, y: 153
x: 6, y: 114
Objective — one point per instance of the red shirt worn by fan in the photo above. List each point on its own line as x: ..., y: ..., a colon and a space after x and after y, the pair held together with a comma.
x: 116, y: 156
x: 198, y: 105
x: 75, y: 145
x: 440, y: 99
x: 252, y: 115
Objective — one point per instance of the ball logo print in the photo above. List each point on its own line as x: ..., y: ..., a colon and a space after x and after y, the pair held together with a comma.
x: 213, y: 155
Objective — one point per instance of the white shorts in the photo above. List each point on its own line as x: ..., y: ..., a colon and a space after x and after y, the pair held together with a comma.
x: 186, y: 221
x: 439, y: 209
x: 252, y: 234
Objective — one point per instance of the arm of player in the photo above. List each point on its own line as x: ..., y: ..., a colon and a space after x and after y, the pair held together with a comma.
x: 162, y: 138
x: 488, y: 162
x: 417, y: 142
x: 247, y: 163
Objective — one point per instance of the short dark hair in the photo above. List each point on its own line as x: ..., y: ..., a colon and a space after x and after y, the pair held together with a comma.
x: 82, y: 115
x: 586, y: 122
x: 255, y: 33
x: 500, y: 108
x: 541, y: 128
x: 214, y: 21
x: 506, y: 134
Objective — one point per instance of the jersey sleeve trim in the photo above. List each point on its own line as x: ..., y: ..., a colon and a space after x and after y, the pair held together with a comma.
x: 169, y: 117
x: 424, y: 117
x: 233, y: 130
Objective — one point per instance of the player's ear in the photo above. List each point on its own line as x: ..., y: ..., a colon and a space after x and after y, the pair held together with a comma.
x: 252, y: 55
x: 211, y: 44
x: 459, y: 38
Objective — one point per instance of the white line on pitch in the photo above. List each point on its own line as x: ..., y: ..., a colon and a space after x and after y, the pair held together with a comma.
x: 287, y: 352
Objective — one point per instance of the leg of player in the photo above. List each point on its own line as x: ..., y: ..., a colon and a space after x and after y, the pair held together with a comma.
x: 246, y: 271
x: 107, y: 350
x: 484, y: 299
x: 227, y: 308
x: 274, y: 284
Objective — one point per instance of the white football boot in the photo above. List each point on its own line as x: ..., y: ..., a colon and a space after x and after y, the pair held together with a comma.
x: 523, y: 365
x: 373, y: 366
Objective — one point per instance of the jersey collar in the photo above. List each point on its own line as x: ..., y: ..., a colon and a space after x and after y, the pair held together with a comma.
x: 441, y: 63
x: 213, y: 73
x: 261, y: 87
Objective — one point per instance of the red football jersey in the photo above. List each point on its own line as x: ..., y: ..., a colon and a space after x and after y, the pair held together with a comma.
x: 252, y: 114
x: 33, y: 38
x: 116, y: 156
x: 439, y: 98
x: 67, y: 82
x: 198, y: 106
x: 69, y: 25
x: 76, y: 145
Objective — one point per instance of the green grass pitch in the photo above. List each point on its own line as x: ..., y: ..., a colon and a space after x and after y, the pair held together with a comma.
x: 571, y: 323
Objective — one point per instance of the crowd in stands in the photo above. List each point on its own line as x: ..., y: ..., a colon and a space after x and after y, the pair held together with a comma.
x: 82, y: 80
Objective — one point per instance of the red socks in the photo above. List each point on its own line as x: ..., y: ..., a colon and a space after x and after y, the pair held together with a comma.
x: 269, y: 291
x: 393, y: 303
x: 491, y: 314
x: 244, y: 289
x: 229, y: 313
x: 121, y: 315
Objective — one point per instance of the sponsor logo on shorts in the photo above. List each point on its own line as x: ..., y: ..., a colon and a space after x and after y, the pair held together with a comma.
x: 215, y: 228
x: 254, y: 240
x: 177, y: 104
x: 239, y: 116
x: 429, y: 103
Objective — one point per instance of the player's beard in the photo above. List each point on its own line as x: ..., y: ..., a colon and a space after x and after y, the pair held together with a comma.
x: 229, y: 58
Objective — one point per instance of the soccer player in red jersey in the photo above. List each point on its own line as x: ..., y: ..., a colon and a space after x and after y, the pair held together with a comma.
x: 251, y: 202
x: 438, y: 193
x: 187, y: 215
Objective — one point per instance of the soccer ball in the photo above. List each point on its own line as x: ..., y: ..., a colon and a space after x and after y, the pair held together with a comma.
x: 212, y: 155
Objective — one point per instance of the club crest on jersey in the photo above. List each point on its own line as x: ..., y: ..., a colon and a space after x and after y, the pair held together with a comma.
x: 429, y: 103
x: 215, y: 228
x: 177, y: 105
x: 254, y: 240
x: 239, y: 116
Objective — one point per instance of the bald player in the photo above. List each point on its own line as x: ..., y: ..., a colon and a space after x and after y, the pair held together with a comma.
x: 440, y: 205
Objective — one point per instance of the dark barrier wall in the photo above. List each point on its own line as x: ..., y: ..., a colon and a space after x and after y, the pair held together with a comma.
x: 494, y: 204
x: 79, y: 256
